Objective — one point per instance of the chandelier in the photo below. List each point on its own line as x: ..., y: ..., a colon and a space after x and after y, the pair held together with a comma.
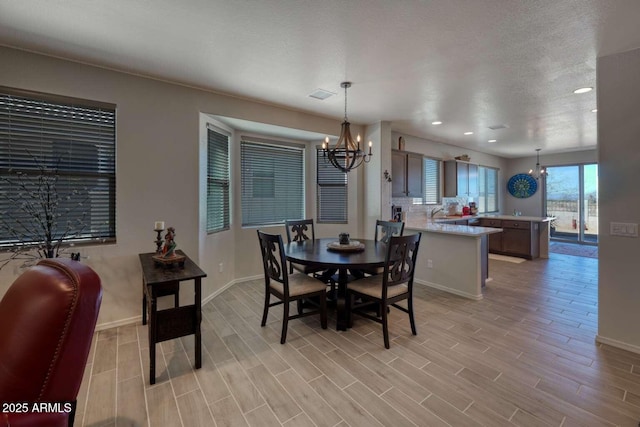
x: 538, y: 171
x: 346, y: 154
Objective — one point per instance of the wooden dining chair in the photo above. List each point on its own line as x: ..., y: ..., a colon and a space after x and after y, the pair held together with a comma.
x: 299, y: 231
x: 287, y: 287
x: 387, y: 289
x: 384, y: 230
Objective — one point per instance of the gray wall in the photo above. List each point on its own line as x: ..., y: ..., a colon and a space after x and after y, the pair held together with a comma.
x: 160, y: 148
x: 618, y: 87
x: 534, y: 205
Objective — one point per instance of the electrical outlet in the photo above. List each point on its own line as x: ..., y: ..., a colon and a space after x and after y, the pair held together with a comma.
x: 429, y: 263
x: 220, y: 268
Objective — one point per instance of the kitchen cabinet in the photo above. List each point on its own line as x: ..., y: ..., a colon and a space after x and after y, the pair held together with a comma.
x: 495, y: 239
x: 407, y: 174
x: 460, y: 179
x: 518, y: 238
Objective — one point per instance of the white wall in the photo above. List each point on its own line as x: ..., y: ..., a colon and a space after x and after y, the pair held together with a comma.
x: 158, y: 171
x: 618, y: 84
x: 376, y: 193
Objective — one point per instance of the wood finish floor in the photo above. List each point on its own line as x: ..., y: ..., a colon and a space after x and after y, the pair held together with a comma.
x: 524, y: 355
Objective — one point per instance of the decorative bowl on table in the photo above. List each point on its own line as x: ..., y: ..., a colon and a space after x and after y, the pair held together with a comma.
x: 352, y: 246
x: 169, y: 261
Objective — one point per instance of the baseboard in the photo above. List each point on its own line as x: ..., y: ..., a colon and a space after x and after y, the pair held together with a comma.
x: 118, y: 323
x: 138, y: 319
x: 618, y: 344
x: 228, y: 285
x: 449, y: 290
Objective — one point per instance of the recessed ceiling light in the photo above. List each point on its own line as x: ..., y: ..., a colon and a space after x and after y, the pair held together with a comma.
x: 583, y: 90
x: 436, y: 123
x: 595, y: 110
x: 468, y: 133
x: 492, y: 140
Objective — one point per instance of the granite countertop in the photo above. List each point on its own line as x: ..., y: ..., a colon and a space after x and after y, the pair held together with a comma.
x: 444, y: 228
x: 445, y: 219
x: 518, y: 217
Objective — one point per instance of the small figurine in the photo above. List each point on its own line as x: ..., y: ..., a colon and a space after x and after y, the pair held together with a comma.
x: 169, y: 248
x: 168, y: 255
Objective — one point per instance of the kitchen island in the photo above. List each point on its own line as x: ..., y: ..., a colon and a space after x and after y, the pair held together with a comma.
x: 452, y: 258
x: 522, y: 236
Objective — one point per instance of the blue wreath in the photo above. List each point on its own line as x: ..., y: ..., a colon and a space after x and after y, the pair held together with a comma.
x: 522, y: 185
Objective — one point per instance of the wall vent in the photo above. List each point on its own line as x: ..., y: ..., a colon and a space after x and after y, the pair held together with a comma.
x: 321, y: 94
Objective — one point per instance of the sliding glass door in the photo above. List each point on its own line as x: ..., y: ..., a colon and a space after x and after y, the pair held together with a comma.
x: 571, y: 195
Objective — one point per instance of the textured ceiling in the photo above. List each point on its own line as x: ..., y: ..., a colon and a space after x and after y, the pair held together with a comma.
x: 469, y: 63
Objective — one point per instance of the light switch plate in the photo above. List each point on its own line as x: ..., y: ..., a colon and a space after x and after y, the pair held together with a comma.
x: 625, y: 229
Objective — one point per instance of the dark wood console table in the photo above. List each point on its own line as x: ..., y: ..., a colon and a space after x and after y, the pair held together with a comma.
x: 172, y: 322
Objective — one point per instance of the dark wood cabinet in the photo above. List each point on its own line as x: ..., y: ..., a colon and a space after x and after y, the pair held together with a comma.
x: 460, y: 179
x: 518, y: 238
x: 407, y: 174
x: 495, y: 242
x: 516, y: 241
x: 521, y: 238
x: 495, y: 239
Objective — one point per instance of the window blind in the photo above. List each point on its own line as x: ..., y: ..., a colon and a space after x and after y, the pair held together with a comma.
x: 488, y: 181
x: 64, y: 143
x: 331, y: 191
x: 272, y: 183
x: 431, y: 181
x: 217, y: 181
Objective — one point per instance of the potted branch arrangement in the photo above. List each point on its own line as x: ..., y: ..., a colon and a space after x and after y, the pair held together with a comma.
x: 40, y: 215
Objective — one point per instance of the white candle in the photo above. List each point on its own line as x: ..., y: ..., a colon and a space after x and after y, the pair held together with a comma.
x: 159, y: 225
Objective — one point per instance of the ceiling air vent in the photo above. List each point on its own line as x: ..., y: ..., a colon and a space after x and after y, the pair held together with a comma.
x: 496, y: 127
x: 321, y: 94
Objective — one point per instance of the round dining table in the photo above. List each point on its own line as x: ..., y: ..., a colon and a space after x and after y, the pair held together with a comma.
x: 317, y: 253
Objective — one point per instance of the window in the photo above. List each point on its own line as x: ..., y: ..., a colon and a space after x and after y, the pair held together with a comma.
x: 272, y: 182
x: 331, y: 191
x: 72, y: 142
x: 488, y: 182
x: 217, y: 180
x: 431, y: 174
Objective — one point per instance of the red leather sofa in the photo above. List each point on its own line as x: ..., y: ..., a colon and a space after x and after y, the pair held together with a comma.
x: 47, y: 321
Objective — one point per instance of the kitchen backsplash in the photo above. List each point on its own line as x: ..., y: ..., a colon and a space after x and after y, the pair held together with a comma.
x: 408, y: 207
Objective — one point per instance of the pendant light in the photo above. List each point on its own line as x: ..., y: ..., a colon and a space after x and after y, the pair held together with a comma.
x: 346, y: 154
x: 538, y: 171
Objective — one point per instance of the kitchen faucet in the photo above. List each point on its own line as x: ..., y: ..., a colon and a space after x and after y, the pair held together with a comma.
x: 435, y: 211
